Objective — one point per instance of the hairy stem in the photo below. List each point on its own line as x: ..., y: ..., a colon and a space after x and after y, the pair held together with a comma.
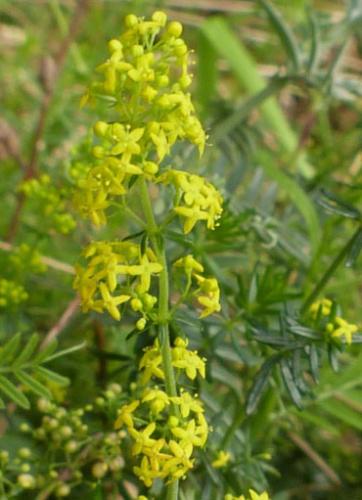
x: 163, y: 309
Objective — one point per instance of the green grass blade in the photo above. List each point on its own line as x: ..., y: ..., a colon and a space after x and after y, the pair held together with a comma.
x: 245, y: 69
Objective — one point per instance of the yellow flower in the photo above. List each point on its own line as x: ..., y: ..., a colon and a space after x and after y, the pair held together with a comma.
x: 187, y: 403
x: 209, y: 297
x: 187, y: 360
x: 190, y: 265
x: 110, y: 303
x: 199, y: 199
x: 188, y: 435
x: 151, y: 364
x: 125, y: 415
x: 157, y: 398
x: 142, y: 438
x: 325, y: 305
x: 222, y: 459
x: 340, y: 328
x: 144, y: 472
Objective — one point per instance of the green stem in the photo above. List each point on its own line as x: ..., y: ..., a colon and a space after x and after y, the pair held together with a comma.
x: 330, y: 271
x: 163, y: 310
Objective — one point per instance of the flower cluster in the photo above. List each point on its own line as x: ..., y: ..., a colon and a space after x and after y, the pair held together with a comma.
x: 116, y: 273
x: 50, y: 202
x: 325, y: 312
x: 11, y: 293
x: 26, y: 258
x: 145, y: 80
x: 207, y: 292
x: 145, y: 77
x: 165, y: 429
x: 69, y: 447
x: 197, y: 199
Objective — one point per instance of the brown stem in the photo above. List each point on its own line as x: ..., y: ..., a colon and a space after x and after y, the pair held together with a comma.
x: 61, y: 324
x: 315, y: 457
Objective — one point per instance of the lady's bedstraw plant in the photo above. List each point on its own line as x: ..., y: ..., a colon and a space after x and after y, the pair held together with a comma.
x: 146, y: 78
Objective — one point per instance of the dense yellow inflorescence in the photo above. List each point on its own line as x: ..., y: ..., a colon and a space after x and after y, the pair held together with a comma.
x: 253, y: 495
x: 165, y: 429
x: 144, y: 84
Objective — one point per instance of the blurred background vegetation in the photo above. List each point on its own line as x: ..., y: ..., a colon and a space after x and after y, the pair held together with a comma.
x: 279, y: 88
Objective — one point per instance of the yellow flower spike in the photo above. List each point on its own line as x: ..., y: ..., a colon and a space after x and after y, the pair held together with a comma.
x: 222, y: 459
x: 125, y: 415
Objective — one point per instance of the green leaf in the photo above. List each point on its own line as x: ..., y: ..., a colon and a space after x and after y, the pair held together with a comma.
x: 285, y: 34
x: 341, y: 411
x: 297, y: 195
x: 260, y: 383
x: 65, y: 352
x: 314, y: 362
x: 227, y: 45
x: 13, y: 393
x: 8, y: 351
x: 32, y: 384
x: 290, y: 383
x: 46, y: 352
x: 50, y: 375
x: 206, y: 71
x: 28, y: 350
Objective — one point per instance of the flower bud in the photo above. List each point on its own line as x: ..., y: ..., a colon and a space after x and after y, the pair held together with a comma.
x: 99, y: 469
x: 141, y: 323
x: 71, y: 446
x: 114, y: 46
x: 24, y: 453
x: 26, y: 481
x: 63, y: 490
x: 131, y: 21
x: 174, y: 29
x: 116, y: 464
x: 159, y: 17
x: 100, y: 128
x: 66, y: 431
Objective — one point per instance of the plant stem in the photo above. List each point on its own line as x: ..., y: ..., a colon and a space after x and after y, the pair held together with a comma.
x: 330, y: 271
x: 163, y: 310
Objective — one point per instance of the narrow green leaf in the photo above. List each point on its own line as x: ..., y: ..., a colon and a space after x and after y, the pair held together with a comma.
x: 314, y: 362
x: 206, y: 71
x: 339, y: 410
x: 28, y: 350
x: 47, y: 351
x: 8, y: 351
x: 317, y: 420
x: 2, y: 404
x: 50, y: 375
x: 297, y: 195
x: 355, y: 250
x: 285, y: 34
x: 13, y: 393
x: 260, y: 384
x: 65, y: 352
x: 33, y: 384
x: 290, y: 383
x: 227, y: 45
